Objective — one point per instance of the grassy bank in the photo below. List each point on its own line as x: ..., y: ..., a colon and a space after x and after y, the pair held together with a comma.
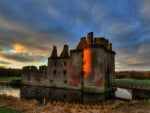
x: 8, y: 110
x: 133, y: 82
x: 13, y: 81
x: 9, y: 79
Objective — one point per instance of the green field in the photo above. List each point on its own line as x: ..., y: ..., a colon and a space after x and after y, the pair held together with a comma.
x: 7, y: 110
x: 9, y: 79
x: 133, y: 82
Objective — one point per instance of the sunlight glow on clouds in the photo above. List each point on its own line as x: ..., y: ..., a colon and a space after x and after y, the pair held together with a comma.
x: 18, y: 48
x: 30, y: 28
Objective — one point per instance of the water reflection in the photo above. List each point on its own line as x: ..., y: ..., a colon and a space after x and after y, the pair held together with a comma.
x: 123, y: 93
x: 8, y: 90
x: 44, y: 94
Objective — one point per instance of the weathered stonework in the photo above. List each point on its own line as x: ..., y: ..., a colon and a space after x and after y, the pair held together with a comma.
x: 90, y: 67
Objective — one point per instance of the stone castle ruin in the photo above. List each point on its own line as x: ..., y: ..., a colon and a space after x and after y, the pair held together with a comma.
x: 90, y: 67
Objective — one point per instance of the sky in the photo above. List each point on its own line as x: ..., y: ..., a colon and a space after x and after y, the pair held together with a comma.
x: 30, y: 28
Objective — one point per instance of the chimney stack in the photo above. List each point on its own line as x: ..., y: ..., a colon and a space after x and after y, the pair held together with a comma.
x: 90, y: 38
x: 65, y: 53
x: 54, y: 53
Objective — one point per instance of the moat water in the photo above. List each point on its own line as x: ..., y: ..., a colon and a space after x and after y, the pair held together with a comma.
x: 44, y: 94
x: 8, y: 90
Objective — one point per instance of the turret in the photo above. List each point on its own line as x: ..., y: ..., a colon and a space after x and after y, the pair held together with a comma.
x: 54, y: 53
x: 65, y: 53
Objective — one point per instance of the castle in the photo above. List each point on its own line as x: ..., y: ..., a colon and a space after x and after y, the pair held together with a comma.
x: 89, y: 67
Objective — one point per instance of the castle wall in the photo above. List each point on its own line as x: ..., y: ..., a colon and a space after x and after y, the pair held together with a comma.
x: 90, y: 66
x: 58, y: 72
x: 94, y: 67
x: 111, y: 65
x: 25, y: 75
x: 32, y: 76
x: 75, y: 70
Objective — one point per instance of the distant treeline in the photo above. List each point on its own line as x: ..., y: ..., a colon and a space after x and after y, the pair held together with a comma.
x: 133, y: 74
x: 9, y: 72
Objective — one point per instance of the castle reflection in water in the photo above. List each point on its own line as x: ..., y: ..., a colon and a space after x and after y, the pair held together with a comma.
x: 45, y: 94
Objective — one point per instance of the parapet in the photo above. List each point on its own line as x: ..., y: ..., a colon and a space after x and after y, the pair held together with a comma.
x: 27, y: 69
x: 97, y: 41
x: 82, y: 44
x: 33, y: 69
x: 89, y: 41
x: 43, y: 69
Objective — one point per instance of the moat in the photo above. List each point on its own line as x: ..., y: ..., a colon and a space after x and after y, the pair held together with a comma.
x: 44, y: 94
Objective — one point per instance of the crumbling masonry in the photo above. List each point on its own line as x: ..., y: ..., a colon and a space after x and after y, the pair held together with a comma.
x: 89, y: 67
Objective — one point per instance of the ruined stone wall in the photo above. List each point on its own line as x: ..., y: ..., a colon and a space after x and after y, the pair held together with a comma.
x: 52, y: 63
x: 85, y: 67
x: 111, y: 65
x: 32, y: 76
x: 82, y: 44
x: 75, y: 70
x: 25, y: 75
x: 94, y: 67
x: 58, y: 72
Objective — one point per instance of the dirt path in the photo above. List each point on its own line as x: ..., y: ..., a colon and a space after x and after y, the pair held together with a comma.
x: 58, y: 107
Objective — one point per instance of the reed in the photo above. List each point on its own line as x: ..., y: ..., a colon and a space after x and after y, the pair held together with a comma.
x: 33, y: 106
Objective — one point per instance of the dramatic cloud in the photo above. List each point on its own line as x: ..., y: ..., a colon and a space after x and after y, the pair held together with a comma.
x: 29, y: 29
x: 26, y: 57
x: 4, y: 62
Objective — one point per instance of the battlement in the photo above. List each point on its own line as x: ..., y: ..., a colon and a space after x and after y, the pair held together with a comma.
x: 34, y: 69
x: 89, y: 41
x: 82, y: 44
x: 31, y: 75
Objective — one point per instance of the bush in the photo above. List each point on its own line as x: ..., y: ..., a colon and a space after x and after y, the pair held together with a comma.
x: 10, y: 72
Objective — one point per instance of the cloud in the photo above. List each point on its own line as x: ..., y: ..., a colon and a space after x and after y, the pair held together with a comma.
x: 15, y: 33
x: 22, y: 57
x: 144, y: 12
x: 137, y: 59
x: 29, y: 28
x: 4, y: 62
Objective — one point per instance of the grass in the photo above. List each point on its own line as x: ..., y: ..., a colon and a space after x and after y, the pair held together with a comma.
x: 149, y: 101
x: 33, y: 106
x: 7, y: 110
x: 9, y: 79
x: 133, y: 82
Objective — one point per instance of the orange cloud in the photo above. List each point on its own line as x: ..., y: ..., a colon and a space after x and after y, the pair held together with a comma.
x: 18, y: 48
